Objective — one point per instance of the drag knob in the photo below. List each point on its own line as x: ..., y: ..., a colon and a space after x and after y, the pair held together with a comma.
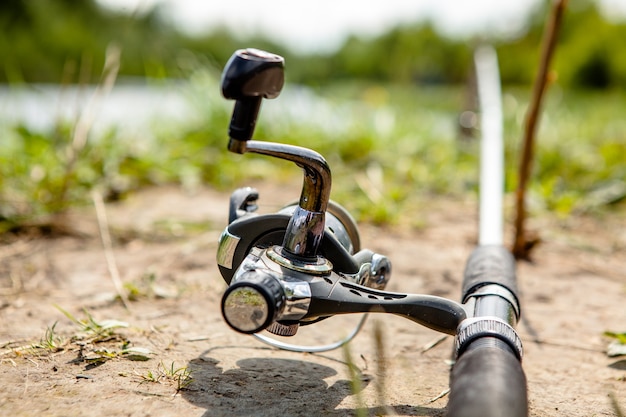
x: 253, y: 302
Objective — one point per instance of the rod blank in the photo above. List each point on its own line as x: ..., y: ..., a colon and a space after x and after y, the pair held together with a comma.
x: 491, y: 229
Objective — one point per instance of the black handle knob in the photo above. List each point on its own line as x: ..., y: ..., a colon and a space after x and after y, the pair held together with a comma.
x: 253, y: 73
x: 249, y: 76
x: 253, y: 302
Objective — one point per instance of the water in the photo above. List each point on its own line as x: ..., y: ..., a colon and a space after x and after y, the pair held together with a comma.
x: 142, y: 107
x: 139, y: 106
x: 128, y: 106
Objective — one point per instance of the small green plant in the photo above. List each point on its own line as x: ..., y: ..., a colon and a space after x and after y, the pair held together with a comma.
x: 142, y: 288
x: 95, y: 331
x: 618, y: 346
x: 51, y: 340
x: 620, y: 337
x: 100, y: 355
x: 95, y: 343
x: 98, y: 332
x: 151, y: 376
x: 180, y: 377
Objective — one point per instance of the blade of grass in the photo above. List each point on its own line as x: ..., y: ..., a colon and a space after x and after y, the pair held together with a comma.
x: 87, y: 116
x: 381, y: 371
x: 105, y: 236
x: 355, y: 381
x: 616, y: 406
x: 90, y: 325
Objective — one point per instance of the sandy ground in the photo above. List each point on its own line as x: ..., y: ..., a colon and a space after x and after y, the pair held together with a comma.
x: 164, y: 244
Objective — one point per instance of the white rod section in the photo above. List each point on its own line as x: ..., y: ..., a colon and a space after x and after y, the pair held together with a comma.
x: 491, y: 230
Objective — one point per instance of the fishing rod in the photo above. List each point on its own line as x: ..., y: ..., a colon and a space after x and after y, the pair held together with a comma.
x: 487, y: 379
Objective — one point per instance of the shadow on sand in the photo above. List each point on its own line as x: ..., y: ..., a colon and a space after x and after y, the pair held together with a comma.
x: 275, y: 387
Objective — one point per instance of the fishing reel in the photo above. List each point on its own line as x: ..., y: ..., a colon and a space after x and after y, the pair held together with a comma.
x: 304, y: 263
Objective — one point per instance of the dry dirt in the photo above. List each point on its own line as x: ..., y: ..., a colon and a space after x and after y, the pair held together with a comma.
x: 164, y: 248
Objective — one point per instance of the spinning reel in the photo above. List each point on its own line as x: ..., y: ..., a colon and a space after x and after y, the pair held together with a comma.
x: 304, y: 263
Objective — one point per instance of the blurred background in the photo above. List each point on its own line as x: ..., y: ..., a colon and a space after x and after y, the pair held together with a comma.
x: 117, y: 95
x: 391, y: 41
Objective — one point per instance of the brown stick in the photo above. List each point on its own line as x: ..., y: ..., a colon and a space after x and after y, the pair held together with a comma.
x: 521, y: 246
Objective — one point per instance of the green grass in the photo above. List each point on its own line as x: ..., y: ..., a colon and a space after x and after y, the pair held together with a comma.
x: 51, y: 340
x: 389, y: 148
x: 95, y: 342
x: 92, y: 330
x: 180, y: 377
x: 580, y: 163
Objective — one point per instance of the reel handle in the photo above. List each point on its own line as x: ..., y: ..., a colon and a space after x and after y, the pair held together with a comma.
x: 436, y: 313
x: 249, y: 76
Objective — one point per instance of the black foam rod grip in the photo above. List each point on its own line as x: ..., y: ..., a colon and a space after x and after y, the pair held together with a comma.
x: 488, y: 382
x: 244, y: 118
x: 489, y: 264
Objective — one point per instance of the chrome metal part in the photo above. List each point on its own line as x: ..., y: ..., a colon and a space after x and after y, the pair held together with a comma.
x: 242, y: 203
x: 493, y: 300
x: 237, y: 146
x: 246, y: 309
x: 226, y: 249
x: 479, y: 327
x: 319, y: 266
x: 495, y: 306
x: 317, y: 177
x: 338, y: 222
x: 297, y: 294
x: 380, y: 272
x: 375, y: 271
x: 360, y: 277
x: 297, y: 291
x: 304, y: 232
x: 297, y: 298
